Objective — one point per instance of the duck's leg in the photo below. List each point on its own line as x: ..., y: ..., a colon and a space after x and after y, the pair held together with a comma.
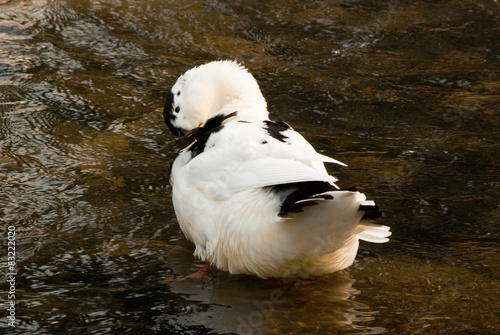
x: 199, y: 274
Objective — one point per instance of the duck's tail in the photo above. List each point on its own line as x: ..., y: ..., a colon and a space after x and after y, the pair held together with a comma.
x: 369, y: 228
x: 372, y: 232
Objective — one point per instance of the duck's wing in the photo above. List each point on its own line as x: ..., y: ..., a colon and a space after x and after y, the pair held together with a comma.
x: 283, y: 139
x: 242, y: 155
x: 273, y: 171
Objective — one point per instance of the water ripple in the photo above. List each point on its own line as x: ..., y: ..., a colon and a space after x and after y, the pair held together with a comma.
x: 407, y: 93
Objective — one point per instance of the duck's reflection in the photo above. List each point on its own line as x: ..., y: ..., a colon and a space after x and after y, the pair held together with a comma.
x: 249, y: 305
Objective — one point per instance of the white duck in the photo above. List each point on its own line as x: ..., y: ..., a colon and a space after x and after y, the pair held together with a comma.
x: 252, y: 194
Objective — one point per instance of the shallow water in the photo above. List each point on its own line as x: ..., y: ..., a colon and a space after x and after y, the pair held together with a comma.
x: 407, y: 93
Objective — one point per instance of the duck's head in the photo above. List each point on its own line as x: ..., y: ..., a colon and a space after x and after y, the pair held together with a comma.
x: 209, y: 89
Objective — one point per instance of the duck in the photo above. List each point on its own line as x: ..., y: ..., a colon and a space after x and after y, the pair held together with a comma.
x: 252, y: 194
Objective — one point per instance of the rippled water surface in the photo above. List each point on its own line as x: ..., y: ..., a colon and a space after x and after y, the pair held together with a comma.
x: 407, y: 93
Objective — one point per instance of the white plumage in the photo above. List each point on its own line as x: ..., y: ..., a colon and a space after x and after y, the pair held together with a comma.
x: 252, y: 194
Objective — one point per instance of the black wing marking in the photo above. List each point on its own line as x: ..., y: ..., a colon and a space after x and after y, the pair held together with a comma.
x: 276, y: 129
x: 310, y: 193
x: 300, y: 194
x: 198, y: 137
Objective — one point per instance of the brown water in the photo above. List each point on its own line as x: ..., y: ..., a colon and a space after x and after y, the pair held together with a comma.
x: 407, y: 93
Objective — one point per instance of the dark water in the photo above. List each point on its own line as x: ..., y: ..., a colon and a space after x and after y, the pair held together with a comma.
x: 407, y: 93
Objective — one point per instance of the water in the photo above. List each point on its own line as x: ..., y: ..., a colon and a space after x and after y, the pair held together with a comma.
x: 407, y: 93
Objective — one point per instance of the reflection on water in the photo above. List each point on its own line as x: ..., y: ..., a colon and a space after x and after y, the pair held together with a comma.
x: 406, y: 93
x: 249, y: 306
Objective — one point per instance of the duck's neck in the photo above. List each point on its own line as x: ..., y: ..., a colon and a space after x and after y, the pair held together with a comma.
x: 249, y: 107
x: 240, y: 93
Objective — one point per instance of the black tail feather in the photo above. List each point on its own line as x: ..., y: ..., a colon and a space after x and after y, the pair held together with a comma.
x: 371, y: 212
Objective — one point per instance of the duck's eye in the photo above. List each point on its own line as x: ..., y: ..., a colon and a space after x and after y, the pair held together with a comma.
x: 177, y: 109
x: 178, y: 93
